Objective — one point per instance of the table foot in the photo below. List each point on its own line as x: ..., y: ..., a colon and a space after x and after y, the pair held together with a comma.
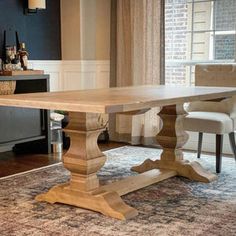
x: 191, y: 170
x: 194, y: 171
x: 145, y: 166
x: 107, y: 203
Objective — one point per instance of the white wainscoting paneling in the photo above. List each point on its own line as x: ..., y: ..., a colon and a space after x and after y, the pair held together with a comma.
x: 85, y: 74
x: 53, y: 68
x: 75, y: 75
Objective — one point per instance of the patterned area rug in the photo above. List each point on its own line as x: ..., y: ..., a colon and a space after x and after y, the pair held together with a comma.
x: 176, y: 206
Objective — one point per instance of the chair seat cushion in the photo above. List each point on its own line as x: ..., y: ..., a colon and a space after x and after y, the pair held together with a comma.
x: 208, y: 122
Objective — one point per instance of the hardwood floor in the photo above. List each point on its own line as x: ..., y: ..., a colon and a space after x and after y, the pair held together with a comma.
x: 11, y: 163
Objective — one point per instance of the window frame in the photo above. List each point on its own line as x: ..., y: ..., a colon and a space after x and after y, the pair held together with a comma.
x: 213, y: 33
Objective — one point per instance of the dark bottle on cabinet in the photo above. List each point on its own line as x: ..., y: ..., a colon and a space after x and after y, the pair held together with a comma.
x: 4, y: 56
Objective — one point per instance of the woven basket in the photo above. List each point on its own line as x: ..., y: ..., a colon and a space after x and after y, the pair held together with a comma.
x: 7, y: 87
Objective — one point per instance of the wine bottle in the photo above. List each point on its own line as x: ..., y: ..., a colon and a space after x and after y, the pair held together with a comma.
x: 17, y: 42
x: 4, y: 56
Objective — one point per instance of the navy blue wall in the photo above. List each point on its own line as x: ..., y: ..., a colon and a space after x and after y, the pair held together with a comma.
x: 40, y: 31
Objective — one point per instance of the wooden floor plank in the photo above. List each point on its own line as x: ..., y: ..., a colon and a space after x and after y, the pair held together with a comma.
x: 11, y: 163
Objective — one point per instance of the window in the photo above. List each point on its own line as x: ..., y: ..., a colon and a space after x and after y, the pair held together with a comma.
x: 198, y: 31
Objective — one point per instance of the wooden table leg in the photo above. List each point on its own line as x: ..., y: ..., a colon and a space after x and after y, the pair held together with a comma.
x: 84, y: 160
x: 172, y: 137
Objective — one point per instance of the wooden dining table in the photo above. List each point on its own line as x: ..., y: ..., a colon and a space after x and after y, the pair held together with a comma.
x: 84, y: 158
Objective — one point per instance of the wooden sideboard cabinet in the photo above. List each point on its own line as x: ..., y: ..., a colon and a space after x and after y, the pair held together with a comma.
x: 27, y: 129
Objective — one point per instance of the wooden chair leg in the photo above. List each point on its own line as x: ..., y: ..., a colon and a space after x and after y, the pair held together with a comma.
x: 232, y: 143
x: 199, y: 149
x: 219, y: 145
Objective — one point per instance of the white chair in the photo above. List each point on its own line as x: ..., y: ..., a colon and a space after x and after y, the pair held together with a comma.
x: 216, y: 116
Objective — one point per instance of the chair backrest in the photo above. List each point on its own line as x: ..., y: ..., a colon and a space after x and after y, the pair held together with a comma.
x: 216, y: 75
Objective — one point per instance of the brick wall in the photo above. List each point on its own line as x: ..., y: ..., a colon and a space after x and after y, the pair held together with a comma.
x: 225, y: 14
x: 178, y: 44
x: 175, y: 39
x: 224, y: 47
x: 225, y: 20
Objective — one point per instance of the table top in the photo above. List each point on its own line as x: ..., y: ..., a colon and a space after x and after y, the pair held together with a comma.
x: 113, y: 100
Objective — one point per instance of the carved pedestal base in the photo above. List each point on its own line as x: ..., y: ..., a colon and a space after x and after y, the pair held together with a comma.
x: 84, y: 160
x: 172, y: 137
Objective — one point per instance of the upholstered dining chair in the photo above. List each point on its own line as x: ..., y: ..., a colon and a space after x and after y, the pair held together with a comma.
x: 216, y: 116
